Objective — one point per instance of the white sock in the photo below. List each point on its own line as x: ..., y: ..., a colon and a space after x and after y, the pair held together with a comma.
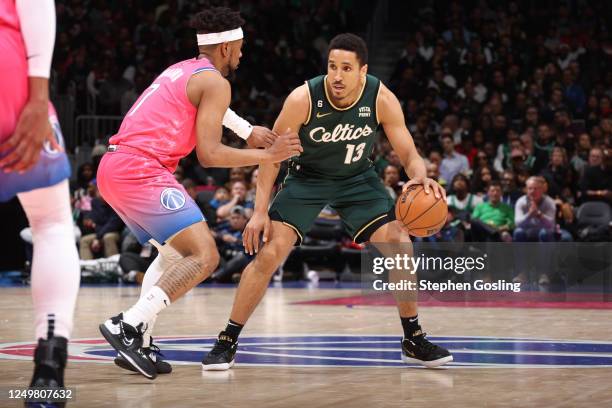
x: 147, y: 307
x: 152, y: 275
x: 55, y: 264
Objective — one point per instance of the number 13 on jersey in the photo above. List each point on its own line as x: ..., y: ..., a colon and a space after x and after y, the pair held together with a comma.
x: 353, y: 153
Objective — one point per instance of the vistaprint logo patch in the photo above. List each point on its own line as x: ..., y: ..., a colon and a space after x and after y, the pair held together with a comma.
x: 415, y: 264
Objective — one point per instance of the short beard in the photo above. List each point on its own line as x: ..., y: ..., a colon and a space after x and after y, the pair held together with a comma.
x: 231, y: 73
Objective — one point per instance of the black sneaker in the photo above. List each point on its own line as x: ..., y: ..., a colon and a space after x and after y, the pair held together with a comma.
x: 127, y: 340
x: 49, y: 363
x: 221, y: 357
x: 419, y: 350
x: 153, y: 353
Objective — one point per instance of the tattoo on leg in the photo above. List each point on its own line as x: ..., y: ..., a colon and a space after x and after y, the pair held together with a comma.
x: 181, y: 277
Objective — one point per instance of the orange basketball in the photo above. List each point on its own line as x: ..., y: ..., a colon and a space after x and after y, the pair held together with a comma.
x: 422, y: 214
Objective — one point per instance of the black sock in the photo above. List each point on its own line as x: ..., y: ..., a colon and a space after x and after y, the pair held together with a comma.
x: 233, y: 329
x: 411, y: 326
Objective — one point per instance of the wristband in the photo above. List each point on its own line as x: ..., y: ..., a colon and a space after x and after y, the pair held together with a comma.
x: 236, y: 124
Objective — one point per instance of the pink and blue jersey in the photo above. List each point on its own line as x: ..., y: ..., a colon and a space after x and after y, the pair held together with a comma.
x: 162, y: 120
x: 135, y: 177
x: 53, y: 166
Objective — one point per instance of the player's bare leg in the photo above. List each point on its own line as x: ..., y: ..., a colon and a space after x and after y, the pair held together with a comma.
x: 253, y: 285
x: 415, y: 347
x: 152, y: 275
x: 193, y: 257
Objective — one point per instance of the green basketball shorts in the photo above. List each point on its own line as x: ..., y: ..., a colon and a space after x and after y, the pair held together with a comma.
x: 362, y: 202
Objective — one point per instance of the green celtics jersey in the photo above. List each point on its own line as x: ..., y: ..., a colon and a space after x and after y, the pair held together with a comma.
x: 337, y: 142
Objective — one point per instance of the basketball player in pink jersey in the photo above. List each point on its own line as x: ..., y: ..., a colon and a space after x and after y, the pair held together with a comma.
x: 183, y: 108
x: 34, y: 167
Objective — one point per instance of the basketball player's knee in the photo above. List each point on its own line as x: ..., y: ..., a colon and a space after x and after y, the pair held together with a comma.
x: 270, y: 258
x: 396, y: 234
x: 208, y: 257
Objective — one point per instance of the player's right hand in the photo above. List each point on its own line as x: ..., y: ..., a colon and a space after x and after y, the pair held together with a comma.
x: 285, y: 146
x: 250, y: 236
x: 32, y: 130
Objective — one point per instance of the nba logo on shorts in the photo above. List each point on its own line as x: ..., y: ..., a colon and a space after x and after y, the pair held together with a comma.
x: 172, y: 199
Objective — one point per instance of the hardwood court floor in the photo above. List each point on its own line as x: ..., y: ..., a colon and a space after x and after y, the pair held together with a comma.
x: 202, y: 313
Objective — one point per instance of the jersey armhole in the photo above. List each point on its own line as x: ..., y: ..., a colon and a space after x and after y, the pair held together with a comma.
x: 197, y: 71
x: 376, y: 102
x: 309, y: 104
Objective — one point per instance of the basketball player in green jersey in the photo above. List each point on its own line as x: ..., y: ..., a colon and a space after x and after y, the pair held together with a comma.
x: 336, y: 116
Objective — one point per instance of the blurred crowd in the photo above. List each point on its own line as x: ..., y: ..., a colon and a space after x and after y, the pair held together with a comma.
x: 508, y: 102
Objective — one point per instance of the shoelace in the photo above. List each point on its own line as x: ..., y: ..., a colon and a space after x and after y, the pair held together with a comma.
x: 425, y: 344
x: 156, y: 350
x: 220, y: 347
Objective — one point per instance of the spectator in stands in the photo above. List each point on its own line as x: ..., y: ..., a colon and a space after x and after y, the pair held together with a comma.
x: 460, y: 198
x: 436, y: 158
x: 565, y: 216
x: 481, y: 160
x: 220, y: 198
x: 534, y: 159
x: 433, y: 172
x: 544, y: 145
x: 229, y: 241
x: 81, y: 201
x: 534, y: 214
x: 503, y: 155
x: 134, y: 264
x: 238, y: 197
x: 510, y: 194
x: 466, y: 148
x: 107, y: 226
x: 453, y: 163
x: 581, y: 154
x: 596, y: 183
x: 392, y: 181
x: 82, y: 205
x: 85, y: 173
x: 558, y: 174
x: 532, y: 117
x: 482, y: 178
x: 237, y: 174
x: 393, y: 159
x: 492, y: 220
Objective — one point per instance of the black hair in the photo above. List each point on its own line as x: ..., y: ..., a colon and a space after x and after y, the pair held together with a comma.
x: 494, y: 183
x: 216, y: 19
x: 350, y: 42
x: 461, y: 176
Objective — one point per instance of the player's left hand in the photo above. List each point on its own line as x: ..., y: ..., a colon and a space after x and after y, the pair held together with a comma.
x: 261, y: 137
x: 32, y: 130
x: 429, y: 185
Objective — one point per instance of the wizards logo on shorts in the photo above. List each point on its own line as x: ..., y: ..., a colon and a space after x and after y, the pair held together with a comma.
x: 355, y: 351
x: 172, y: 199
x: 59, y: 138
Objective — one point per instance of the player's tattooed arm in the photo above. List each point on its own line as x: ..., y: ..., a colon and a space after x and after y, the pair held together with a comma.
x: 391, y: 117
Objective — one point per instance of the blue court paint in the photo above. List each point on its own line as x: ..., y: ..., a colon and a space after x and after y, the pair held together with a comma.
x: 384, y: 351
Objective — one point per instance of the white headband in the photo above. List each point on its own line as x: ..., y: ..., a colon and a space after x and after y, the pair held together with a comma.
x: 218, y: 38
